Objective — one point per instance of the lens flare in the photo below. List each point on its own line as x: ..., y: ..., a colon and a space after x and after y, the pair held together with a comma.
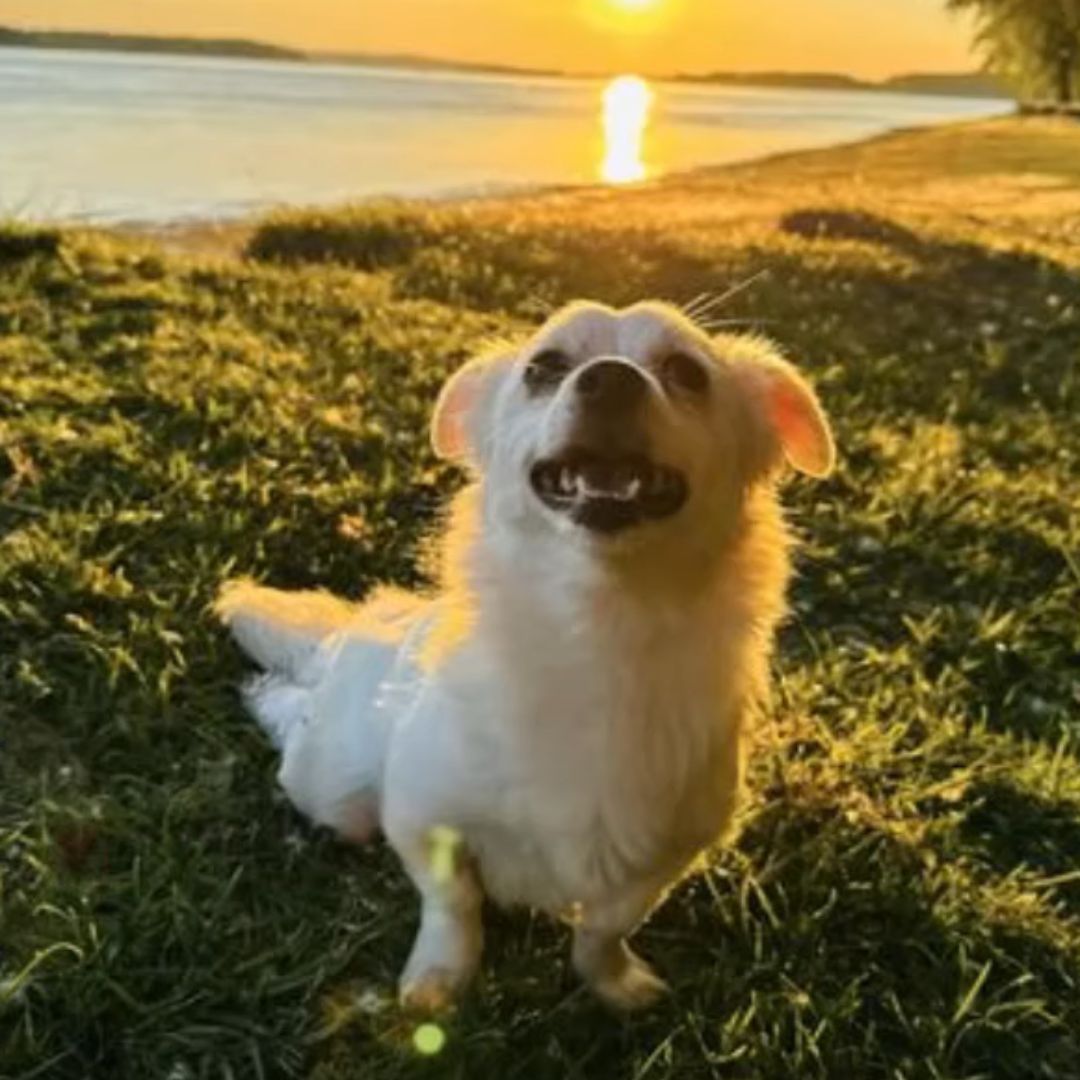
x: 429, y: 1039
x: 627, y: 104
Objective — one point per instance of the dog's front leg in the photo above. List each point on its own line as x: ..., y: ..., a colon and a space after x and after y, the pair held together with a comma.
x: 602, y: 957
x: 448, y: 944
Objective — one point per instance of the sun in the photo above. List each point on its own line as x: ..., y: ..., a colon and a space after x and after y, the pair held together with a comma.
x: 625, y: 17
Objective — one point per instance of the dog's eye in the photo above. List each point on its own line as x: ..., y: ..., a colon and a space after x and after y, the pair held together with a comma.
x: 546, y: 370
x: 684, y: 373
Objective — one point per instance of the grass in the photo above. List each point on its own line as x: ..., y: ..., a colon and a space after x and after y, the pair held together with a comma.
x: 904, y: 898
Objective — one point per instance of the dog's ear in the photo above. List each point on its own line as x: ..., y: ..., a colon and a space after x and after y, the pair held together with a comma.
x: 461, y: 412
x: 450, y: 435
x: 792, y: 414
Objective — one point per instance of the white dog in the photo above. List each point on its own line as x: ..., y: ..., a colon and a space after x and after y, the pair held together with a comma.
x: 560, y: 724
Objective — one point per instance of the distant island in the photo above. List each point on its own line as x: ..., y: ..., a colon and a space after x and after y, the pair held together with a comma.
x: 432, y: 63
x: 973, y: 84
x: 79, y: 39
x: 952, y: 84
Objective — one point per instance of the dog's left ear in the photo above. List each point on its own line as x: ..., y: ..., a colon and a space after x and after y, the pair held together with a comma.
x: 792, y: 413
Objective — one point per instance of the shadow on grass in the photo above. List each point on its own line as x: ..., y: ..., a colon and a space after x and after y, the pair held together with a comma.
x: 956, y: 330
x: 986, y: 607
x: 775, y: 972
x: 829, y: 223
x: 1009, y: 828
x: 779, y: 966
x: 21, y: 242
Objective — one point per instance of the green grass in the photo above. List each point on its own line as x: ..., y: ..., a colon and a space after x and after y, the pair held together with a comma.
x: 904, y: 897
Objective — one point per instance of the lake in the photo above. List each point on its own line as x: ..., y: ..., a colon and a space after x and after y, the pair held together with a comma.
x: 119, y: 137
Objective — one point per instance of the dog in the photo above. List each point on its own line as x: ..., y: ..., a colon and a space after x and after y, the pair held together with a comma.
x: 560, y: 724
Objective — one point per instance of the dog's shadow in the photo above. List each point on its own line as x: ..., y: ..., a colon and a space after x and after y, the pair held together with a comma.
x: 815, y: 922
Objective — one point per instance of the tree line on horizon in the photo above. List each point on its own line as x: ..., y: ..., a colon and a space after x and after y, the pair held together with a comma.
x: 1033, y: 44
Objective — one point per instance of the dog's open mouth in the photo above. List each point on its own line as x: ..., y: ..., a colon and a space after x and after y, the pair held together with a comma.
x: 607, y: 493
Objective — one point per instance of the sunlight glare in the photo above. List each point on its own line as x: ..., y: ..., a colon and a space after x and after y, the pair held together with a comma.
x: 633, y: 5
x: 444, y: 844
x: 627, y: 102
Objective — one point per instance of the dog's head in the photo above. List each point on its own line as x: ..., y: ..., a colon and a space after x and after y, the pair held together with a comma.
x: 617, y: 426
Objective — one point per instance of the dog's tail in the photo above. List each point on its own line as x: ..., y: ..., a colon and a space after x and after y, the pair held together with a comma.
x: 279, y: 630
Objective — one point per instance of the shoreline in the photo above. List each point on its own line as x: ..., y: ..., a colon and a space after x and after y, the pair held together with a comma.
x: 243, y: 161
x: 227, y: 234
x: 1017, y: 174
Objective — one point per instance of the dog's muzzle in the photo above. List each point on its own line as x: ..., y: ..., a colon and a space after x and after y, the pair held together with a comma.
x: 604, y: 480
x: 607, y: 493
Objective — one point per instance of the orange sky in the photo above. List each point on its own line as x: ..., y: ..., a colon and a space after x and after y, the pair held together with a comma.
x: 870, y: 38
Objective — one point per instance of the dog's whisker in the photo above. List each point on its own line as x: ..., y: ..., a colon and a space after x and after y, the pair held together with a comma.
x: 719, y: 324
x: 699, y: 317
x: 734, y: 291
x: 690, y: 307
x: 702, y: 307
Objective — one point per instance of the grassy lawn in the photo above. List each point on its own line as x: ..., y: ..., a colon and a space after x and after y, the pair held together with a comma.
x: 904, y: 897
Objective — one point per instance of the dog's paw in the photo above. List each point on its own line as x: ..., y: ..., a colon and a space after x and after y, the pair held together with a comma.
x: 633, y: 987
x: 431, y: 991
x: 440, y: 967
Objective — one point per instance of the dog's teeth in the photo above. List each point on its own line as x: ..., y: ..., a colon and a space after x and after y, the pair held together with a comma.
x: 581, y: 487
x: 627, y: 489
x: 566, y: 483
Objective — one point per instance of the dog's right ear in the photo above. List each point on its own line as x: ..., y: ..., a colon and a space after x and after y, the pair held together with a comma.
x: 457, y: 427
x: 450, y: 423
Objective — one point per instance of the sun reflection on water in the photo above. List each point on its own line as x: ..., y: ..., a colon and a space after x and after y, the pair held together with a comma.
x: 627, y: 104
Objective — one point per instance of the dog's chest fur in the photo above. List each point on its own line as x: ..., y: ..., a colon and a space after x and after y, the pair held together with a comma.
x: 610, y: 737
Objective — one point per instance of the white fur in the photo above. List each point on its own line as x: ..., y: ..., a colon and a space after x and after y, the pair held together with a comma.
x: 560, y: 725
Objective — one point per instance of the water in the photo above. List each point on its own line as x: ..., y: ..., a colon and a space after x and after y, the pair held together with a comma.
x: 110, y: 137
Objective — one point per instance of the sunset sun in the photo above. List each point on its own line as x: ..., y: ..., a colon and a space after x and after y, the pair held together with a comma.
x: 640, y: 18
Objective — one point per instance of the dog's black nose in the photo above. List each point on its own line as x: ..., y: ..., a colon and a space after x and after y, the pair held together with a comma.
x: 611, y: 385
